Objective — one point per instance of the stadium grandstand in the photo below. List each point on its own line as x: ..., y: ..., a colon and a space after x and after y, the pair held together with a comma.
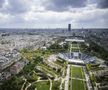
x: 74, y: 54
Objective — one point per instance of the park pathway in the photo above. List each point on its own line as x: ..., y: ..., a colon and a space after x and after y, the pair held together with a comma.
x: 89, y: 86
x: 50, y: 84
x: 67, y: 78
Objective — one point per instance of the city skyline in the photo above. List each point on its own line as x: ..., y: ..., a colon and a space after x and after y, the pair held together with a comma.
x: 53, y: 13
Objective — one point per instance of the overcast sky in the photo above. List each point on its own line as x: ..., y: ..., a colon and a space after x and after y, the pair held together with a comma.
x: 53, y: 13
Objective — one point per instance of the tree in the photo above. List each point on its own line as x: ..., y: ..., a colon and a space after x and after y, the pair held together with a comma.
x: 14, y: 83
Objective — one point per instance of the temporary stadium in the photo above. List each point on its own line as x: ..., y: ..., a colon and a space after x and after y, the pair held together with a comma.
x: 75, y: 55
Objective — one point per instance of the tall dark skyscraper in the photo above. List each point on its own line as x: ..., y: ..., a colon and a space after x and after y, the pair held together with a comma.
x: 69, y: 27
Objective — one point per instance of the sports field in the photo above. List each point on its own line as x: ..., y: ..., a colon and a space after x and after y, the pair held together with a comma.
x: 77, y: 72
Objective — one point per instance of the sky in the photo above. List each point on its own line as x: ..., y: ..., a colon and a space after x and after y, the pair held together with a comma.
x: 53, y: 13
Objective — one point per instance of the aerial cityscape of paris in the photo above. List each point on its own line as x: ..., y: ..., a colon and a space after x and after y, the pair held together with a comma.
x: 53, y: 44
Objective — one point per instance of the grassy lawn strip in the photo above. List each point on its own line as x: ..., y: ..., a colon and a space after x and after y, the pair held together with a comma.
x: 43, y: 85
x: 49, y: 69
x: 75, y: 50
x: 77, y: 72
x: 61, y: 63
x: 55, y: 85
x: 74, y: 45
x: 46, y: 71
x: 78, y: 85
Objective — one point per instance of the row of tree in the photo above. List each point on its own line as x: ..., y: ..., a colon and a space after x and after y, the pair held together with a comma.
x: 98, y: 51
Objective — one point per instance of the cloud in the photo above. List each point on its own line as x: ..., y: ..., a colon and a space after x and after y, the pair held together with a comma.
x: 63, y: 5
x: 1, y: 3
x: 102, y: 4
x: 86, y: 18
x: 19, y: 6
x: 52, y: 13
x: 93, y: 18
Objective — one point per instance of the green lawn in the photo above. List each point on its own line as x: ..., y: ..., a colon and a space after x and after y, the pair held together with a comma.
x: 74, y: 45
x: 49, y: 70
x: 78, y: 85
x: 75, y: 49
x: 43, y: 85
x: 77, y: 72
x: 55, y: 85
x: 59, y: 62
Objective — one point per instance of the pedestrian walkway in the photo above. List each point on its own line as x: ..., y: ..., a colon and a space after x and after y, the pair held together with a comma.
x: 67, y: 77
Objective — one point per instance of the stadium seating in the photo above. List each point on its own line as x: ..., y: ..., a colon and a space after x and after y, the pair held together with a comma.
x: 86, y: 58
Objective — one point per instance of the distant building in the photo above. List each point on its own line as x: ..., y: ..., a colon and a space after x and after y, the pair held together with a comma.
x: 69, y: 27
x: 5, y: 62
x: 18, y: 66
x: 4, y: 75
